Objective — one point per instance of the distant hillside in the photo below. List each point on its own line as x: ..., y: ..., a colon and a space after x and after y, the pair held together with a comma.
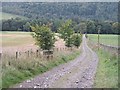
x: 6, y: 16
x: 98, y: 10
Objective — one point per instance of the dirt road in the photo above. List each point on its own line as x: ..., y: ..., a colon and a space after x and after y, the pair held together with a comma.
x: 78, y: 73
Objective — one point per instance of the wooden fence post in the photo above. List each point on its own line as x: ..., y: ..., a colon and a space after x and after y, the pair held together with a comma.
x: 36, y: 53
x: 28, y: 53
x: 19, y: 53
x: 16, y: 55
x: 31, y: 52
x: 48, y: 57
x: 0, y: 56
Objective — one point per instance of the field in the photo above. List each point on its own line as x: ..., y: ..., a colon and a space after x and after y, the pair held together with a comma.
x: 21, y: 41
x: 6, y: 16
x: 105, y: 39
x: 16, y: 38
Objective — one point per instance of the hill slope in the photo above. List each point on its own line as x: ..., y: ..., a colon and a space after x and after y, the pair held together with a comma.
x: 83, y: 10
x: 6, y: 16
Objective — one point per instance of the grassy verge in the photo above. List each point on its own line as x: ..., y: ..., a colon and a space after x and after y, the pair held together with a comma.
x: 20, y: 70
x: 107, y: 71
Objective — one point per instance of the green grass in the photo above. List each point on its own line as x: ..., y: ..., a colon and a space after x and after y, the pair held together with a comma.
x: 20, y: 70
x: 0, y: 75
x: 105, y: 39
x: 107, y: 71
x: 16, y: 38
x: 6, y: 16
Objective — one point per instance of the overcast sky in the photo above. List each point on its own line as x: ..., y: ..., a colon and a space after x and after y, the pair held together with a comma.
x: 60, y: 0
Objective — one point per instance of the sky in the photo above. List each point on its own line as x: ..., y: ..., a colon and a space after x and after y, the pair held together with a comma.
x: 59, y: 0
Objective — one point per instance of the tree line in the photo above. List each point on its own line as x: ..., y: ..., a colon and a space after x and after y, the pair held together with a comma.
x: 87, y: 26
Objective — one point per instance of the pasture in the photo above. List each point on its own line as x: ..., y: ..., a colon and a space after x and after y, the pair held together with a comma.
x: 5, y: 16
x: 105, y: 39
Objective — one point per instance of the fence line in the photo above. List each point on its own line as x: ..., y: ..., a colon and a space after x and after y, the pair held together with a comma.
x: 33, y: 53
x: 111, y: 49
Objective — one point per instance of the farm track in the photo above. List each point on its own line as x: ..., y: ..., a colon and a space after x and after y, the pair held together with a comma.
x: 78, y: 73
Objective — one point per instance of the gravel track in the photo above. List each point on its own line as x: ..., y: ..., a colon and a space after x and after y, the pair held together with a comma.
x: 78, y: 73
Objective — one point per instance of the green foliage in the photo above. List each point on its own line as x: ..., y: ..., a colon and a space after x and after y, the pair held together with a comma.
x: 115, y: 27
x: 83, y: 27
x: 44, y: 37
x: 26, y: 27
x: 93, y: 10
x: 106, y: 27
x: 77, y: 39
x: 91, y: 27
x: 66, y: 32
x: 85, y: 16
x: 69, y: 42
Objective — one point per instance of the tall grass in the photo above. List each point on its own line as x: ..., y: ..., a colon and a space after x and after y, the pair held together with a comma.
x: 25, y: 68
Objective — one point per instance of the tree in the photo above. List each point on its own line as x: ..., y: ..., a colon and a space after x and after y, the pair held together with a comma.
x: 106, y: 27
x: 26, y: 27
x: 77, y: 39
x: 66, y: 32
x: 44, y: 37
x: 115, y: 27
x: 83, y: 27
x: 90, y: 27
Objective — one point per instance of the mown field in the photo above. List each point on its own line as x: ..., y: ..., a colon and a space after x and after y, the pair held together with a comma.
x: 16, y: 38
x: 105, y: 39
x: 6, y: 16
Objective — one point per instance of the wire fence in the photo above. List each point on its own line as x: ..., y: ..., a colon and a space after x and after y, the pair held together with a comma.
x: 38, y: 53
x: 111, y: 49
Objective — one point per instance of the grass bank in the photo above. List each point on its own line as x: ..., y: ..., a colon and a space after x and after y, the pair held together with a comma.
x: 107, y: 70
x: 20, y: 70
